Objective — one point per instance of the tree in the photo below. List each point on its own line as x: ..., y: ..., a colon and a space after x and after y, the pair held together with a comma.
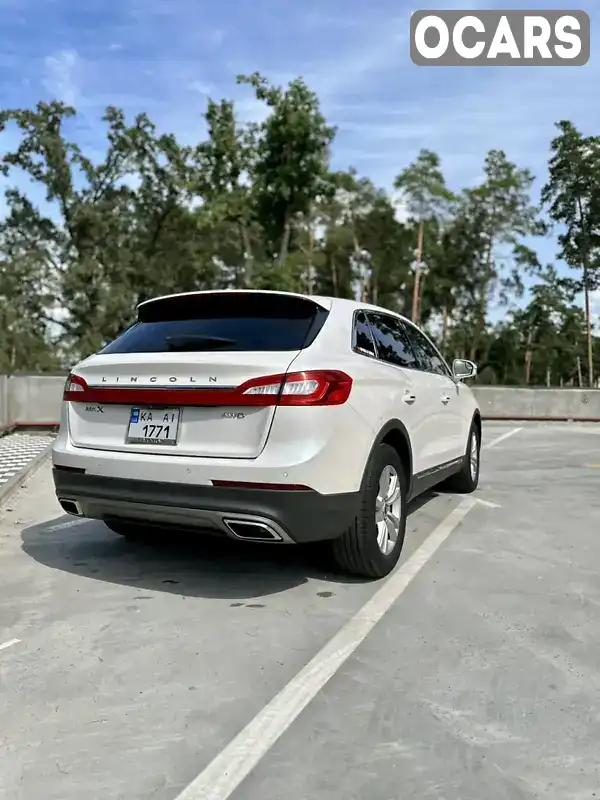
x: 503, y: 206
x: 455, y: 253
x: 389, y: 244
x: 222, y: 177
x: 291, y: 168
x: 423, y: 187
x: 24, y: 317
x: 572, y: 195
x: 119, y: 231
x: 257, y: 205
x: 340, y: 212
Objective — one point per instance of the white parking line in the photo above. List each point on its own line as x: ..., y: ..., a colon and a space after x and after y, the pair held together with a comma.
x: 10, y: 643
x: 501, y: 438
x: 68, y: 524
x: 233, y: 764
x: 227, y: 770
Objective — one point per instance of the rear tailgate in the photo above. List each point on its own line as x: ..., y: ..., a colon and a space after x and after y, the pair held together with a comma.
x: 174, y: 383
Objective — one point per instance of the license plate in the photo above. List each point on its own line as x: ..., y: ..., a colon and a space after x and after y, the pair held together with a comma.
x: 153, y: 426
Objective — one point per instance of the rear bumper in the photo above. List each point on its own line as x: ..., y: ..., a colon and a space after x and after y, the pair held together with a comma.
x: 294, y: 516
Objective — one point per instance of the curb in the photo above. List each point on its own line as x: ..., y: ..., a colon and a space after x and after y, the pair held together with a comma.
x: 23, y: 427
x: 15, y: 482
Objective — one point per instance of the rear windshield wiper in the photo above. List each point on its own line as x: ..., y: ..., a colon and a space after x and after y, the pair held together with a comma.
x: 198, y: 342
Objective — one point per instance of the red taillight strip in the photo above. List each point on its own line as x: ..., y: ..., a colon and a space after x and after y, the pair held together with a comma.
x: 290, y: 487
x: 157, y: 396
x: 333, y: 388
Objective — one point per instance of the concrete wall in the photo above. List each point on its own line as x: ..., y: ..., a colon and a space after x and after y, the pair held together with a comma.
x: 550, y: 404
x: 3, y: 402
x: 29, y: 400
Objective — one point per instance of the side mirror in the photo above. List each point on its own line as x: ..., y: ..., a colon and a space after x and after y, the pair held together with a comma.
x: 463, y: 369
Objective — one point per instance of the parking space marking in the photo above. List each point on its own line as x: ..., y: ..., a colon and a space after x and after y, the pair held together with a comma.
x: 488, y: 503
x: 227, y: 771
x: 234, y: 763
x: 503, y: 437
x: 10, y: 643
x: 68, y: 524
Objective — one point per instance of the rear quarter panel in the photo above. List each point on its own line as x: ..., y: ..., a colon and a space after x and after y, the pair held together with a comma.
x: 349, y: 430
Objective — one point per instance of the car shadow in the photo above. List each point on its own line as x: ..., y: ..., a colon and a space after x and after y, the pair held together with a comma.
x: 191, y: 565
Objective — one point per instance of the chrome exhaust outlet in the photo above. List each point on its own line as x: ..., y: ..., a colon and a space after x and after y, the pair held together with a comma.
x: 70, y: 506
x: 251, y: 531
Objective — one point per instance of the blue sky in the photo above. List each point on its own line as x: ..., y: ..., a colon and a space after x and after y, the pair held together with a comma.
x: 166, y: 56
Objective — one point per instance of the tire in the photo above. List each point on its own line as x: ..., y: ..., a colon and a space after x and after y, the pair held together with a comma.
x: 467, y: 480
x: 357, y: 550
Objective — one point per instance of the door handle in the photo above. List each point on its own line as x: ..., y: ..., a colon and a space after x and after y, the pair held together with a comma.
x: 409, y: 398
x: 446, y: 399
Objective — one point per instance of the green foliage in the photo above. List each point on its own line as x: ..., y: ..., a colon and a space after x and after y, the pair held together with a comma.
x: 291, y: 167
x: 572, y: 194
x: 424, y: 188
x: 258, y: 205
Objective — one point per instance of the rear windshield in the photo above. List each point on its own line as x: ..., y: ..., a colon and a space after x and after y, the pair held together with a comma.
x: 222, y: 322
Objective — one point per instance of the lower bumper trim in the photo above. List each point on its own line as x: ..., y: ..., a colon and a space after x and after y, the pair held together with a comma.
x: 284, y: 516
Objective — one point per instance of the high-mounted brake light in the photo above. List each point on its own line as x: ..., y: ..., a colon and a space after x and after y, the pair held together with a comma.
x: 74, y: 385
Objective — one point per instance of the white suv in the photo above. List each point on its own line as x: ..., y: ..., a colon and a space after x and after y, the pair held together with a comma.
x: 267, y: 417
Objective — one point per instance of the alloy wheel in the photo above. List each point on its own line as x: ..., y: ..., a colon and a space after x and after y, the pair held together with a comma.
x: 474, y: 456
x: 388, y: 508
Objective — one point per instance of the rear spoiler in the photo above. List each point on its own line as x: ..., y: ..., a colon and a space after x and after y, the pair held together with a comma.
x: 323, y: 302
x: 231, y: 303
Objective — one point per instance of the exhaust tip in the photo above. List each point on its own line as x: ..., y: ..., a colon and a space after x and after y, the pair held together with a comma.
x: 70, y: 506
x: 250, y: 531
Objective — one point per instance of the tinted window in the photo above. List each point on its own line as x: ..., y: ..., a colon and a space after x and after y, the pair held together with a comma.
x: 429, y: 359
x: 362, y: 335
x: 391, y: 340
x: 222, y: 322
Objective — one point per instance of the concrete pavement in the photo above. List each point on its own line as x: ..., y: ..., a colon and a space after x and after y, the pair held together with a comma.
x: 137, y: 665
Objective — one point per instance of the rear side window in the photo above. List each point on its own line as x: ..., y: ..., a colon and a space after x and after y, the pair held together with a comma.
x: 227, y: 322
x: 391, y: 340
x: 429, y: 358
x: 363, y: 339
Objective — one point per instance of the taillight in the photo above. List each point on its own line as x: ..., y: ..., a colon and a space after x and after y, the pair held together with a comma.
x: 74, y: 386
x: 314, y: 388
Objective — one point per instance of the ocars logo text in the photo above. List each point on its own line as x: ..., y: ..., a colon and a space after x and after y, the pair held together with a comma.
x: 500, y: 38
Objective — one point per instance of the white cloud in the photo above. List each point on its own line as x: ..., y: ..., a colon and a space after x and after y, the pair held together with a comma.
x: 387, y: 109
x: 61, y: 76
x: 202, y: 88
x: 383, y: 46
x: 462, y: 124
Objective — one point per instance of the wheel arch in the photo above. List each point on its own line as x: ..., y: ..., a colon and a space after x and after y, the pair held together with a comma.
x: 477, y: 423
x: 395, y: 434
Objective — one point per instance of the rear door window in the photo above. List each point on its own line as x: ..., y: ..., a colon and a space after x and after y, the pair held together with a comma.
x: 392, y: 342
x: 228, y: 322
